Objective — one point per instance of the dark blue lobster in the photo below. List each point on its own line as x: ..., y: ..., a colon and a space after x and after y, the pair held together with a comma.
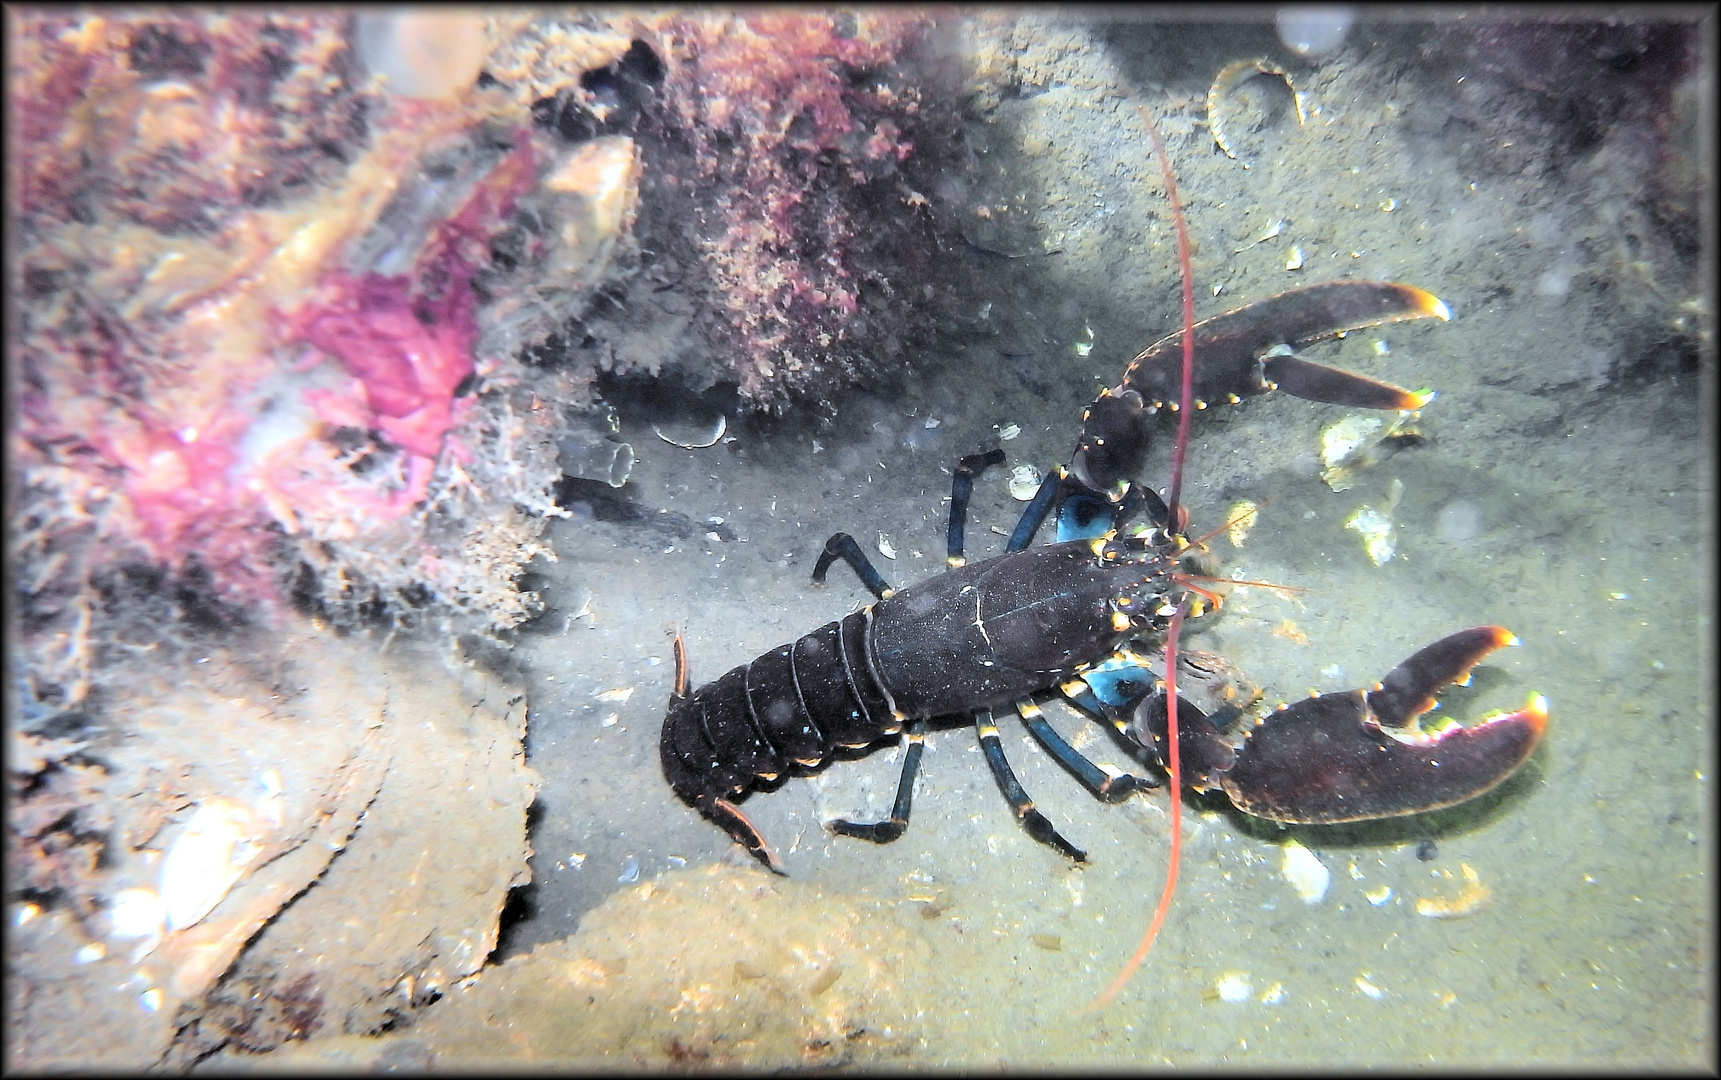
x: 1087, y: 616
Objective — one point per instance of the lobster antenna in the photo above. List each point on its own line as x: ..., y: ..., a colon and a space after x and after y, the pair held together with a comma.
x: 1174, y: 764
x: 1186, y: 400
x: 1174, y: 767
x: 1201, y: 540
x: 1184, y: 579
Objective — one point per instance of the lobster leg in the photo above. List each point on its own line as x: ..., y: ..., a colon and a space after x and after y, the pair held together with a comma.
x: 1360, y: 755
x: 1107, y: 784
x: 1082, y: 515
x: 843, y: 546
x: 883, y: 832
x: 961, y: 490
x: 1037, y: 824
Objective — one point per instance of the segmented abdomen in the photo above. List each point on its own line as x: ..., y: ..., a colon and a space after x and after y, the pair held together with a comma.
x: 791, y: 706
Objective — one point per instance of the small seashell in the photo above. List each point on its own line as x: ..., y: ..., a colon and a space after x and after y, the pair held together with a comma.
x: 1306, y: 873
x: 885, y: 547
x: 1024, y: 482
x: 137, y: 913
x: 1295, y: 262
x: 1234, y: 987
x: 1369, y: 989
x: 1379, y: 896
x: 716, y: 436
x: 1351, y: 444
x: 1272, y: 230
x: 206, y: 860
x: 619, y: 694
x: 1008, y: 432
x: 1229, y: 78
x: 1377, y: 532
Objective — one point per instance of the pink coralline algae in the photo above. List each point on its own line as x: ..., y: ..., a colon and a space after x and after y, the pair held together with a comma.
x: 408, y: 369
x: 237, y: 372
x: 412, y: 352
x: 788, y: 133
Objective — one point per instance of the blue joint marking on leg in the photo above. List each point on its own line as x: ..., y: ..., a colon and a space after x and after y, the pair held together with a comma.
x: 1118, y: 681
x: 1084, y: 517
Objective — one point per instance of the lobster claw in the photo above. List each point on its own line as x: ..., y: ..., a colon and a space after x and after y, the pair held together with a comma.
x: 1240, y: 354
x: 1359, y: 755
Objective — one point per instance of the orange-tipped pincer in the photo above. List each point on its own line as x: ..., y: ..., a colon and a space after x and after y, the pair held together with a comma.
x: 1357, y: 755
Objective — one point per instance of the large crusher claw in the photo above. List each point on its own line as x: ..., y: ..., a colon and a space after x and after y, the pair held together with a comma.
x: 1240, y: 354
x: 1360, y: 755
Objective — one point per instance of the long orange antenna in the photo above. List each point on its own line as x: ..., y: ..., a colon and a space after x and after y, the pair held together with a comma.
x: 1174, y: 764
x: 1186, y: 401
x: 1175, y: 768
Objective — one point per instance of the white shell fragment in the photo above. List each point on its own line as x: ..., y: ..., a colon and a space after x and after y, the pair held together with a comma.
x: 1008, y: 432
x: 885, y: 547
x: 1234, y: 987
x: 1379, y: 896
x: 620, y: 693
x: 1306, y: 874
x: 1295, y: 262
x: 207, y: 859
x: 137, y: 913
x: 1379, y: 537
x: 716, y: 435
x: 1354, y: 443
x: 1229, y: 78
x: 1273, y: 229
x: 1024, y: 482
x: 1343, y: 443
x: 1374, y: 525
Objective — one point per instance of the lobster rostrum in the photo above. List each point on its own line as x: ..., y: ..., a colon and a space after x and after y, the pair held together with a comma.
x: 1088, y: 616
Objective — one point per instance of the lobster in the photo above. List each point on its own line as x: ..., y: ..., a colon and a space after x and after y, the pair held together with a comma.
x: 1075, y: 614
x: 1082, y: 615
